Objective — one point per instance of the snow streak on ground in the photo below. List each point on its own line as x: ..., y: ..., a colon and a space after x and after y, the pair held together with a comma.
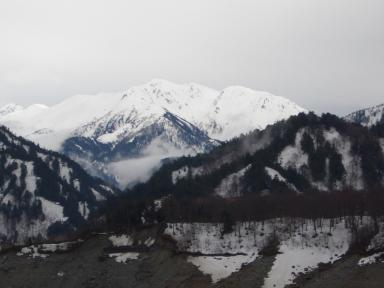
x: 122, y: 240
x: 43, y: 250
x: 302, y: 253
x: 303, y: 246
x: 375, y: 258
x: 220, y: 267
x: 124, y: 257
x: 32, y: 251
x: 126, y: 240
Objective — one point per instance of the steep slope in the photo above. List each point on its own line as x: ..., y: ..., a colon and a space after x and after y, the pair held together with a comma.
x: 367, y: 117
x: 303, y: 154
x: 163, y: 136
x: 43, y: 194
x: 184, y: 119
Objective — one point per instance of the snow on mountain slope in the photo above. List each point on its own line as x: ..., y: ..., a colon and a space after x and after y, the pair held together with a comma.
x: 139, y: 149
x: 367, y: 117
x: 10, y: 108
x: 187, y: 116
x: 50, y: 126
x: 223, y: 114
x: 43, y: 194
x: 276, y: 176
x: 293, y: 157
x: 231, y: 186
x: 302, y: 154
x: 238, y: 110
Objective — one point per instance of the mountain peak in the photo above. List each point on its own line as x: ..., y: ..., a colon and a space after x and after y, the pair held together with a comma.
x: 130, y: 122
x: 10, y: 108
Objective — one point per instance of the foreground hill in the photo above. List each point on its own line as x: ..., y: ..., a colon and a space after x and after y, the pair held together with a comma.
x: 179, y: 258
x: 43, y: 194
x: 151, y: 122
x: 303, y: 154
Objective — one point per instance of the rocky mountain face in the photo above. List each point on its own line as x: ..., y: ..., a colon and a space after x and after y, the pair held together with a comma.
x: 367, y: 117
x: 302, y: 154
x: 150, y: 123
x: 43, y: 194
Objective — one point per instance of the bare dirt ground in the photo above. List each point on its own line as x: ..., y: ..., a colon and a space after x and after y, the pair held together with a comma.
x: 160, y: 267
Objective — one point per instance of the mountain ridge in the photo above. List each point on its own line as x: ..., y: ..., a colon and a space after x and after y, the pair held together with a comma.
x: 43, y: 194
x: 303, y: 154
x: 145, y: 112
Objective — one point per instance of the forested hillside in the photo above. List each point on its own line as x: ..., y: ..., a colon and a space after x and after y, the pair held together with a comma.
x: 43, y: 194
x: 304, y: 166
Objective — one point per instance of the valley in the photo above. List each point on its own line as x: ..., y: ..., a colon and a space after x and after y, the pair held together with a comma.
x: 295, y: 201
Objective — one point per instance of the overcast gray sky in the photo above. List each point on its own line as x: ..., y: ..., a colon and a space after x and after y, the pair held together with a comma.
x: 326, y: 55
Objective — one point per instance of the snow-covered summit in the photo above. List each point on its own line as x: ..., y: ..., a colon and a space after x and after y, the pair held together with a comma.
x: 9, y: 108
x: 222, y: 114
x: 187, y: 117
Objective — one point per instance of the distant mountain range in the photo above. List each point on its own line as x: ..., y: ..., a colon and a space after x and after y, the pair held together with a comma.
x: 368, y: 117
x: 123, y: 137
x: 43, y: 195
x: 255, y: 143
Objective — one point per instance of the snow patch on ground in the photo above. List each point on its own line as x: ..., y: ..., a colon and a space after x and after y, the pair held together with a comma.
x: 121, y: 241
x: 375, y: 258
x: 124, y: 257
x: 304, y: 244
x: 300, y: 254
x: 32, y: 251
x: 149, y: 242
x: 221, y: 267
x: 377, y: 242
x: 43, y: 250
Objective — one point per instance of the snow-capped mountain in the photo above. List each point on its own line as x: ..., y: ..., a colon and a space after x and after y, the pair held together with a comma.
x: 10, y: 108
x: 157, y: 120
x: 43, y: 194
x: 368, y: 117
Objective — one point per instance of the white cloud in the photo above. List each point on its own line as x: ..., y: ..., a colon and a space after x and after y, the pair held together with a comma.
x: 325, y: 55
x: 133, y: 171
